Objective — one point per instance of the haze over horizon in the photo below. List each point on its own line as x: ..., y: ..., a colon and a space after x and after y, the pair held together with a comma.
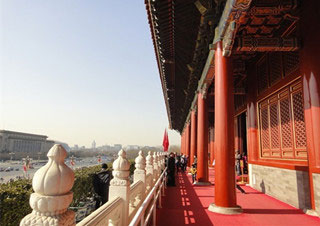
x: 79, y: 71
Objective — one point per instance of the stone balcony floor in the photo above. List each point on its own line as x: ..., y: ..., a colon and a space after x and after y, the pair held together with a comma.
x: 187, y: 204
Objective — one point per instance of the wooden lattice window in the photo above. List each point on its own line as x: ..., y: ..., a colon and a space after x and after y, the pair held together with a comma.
x: 291, y: 62
x: 262, y: 73
x: 275, y: 62
x: 282, y: 125
x: 274, y: 66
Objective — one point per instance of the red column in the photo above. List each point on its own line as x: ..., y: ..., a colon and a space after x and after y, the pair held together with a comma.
x: 252, y: 123
x: 188, y: 141
x: 310, y: 70
x: 211, y: 144
x: 193, y: 140
x: 252, y: 132
x: 236, y: 135
x: 225, y: 194
x: 202, y: 141
x: 182, y: 143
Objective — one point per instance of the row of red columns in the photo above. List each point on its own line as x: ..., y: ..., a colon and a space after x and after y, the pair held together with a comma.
x: 195, y: 137
x: 193, y: 140
x: 185, y: 140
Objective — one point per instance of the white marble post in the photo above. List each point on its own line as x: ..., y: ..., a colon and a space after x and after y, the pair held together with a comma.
x: 159, y: 163
x: 155, y: 167
x: 149, y: 169
x: 162, y: 160
x: 120, y: 184
x: 140, y: 171
x: 52, y: 184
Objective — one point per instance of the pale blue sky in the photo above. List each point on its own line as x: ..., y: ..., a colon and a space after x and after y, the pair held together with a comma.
x: 80, y: 70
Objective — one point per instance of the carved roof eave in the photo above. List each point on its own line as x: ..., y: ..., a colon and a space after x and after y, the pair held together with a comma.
x: 160, y: 66
x: 204, y: 80
x: 227, y: 21
x: 232, y: 12
x: 177, y: 124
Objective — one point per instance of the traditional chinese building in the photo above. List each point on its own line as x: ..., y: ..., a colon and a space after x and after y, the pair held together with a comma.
x: 244, y: 75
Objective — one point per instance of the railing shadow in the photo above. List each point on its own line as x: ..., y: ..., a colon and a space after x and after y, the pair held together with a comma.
x: 181, y: 205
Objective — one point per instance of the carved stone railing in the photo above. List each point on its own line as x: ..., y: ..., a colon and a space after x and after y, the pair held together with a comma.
x: 147, y: 209
x: 155, y: 167
x: 108, y: 214
x: 150, y: 170
x: 127, y: 203
x: 149, y: 183
x: 136, y: 197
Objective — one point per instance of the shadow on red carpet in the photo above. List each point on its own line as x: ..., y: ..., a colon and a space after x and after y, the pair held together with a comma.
x: 187, y: 204
x: 181, y: 206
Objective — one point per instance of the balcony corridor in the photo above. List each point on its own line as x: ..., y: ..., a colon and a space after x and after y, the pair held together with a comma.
x: 187, y: 204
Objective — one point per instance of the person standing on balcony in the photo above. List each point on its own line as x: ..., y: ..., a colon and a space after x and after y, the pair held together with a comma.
x: 238, y: 158
x: 178, y: 159
x: 193, y: 171
x: 182, y: 163
x: 171, y: 170
x: 101, y: 182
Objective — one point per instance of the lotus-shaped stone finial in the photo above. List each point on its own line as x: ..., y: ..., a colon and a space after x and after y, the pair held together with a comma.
x: 54, y: 178
x: 121, y: 163
x: 149, y: 159
x: 140, y: 161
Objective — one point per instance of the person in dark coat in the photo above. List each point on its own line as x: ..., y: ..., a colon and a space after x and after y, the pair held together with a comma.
x: 171, y: 170
x: 101, y: 182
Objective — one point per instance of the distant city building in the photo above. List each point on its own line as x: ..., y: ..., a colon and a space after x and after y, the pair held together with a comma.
x: 106, y: 147
x: 133, y: 147
x: 17, y: 142
x: 76, y: 147
x: 93, y: 146
x: 65, y: 145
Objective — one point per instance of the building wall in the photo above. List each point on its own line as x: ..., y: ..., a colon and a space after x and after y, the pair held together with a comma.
x: 289, y: 186
x: 316, y: 188
x: 47, y: 145
x: 23, y: 143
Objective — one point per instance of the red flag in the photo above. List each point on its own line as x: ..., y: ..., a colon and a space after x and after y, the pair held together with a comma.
x: 165, y: 142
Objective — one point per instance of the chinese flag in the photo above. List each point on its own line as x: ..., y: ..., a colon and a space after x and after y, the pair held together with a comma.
x: 165, y: 142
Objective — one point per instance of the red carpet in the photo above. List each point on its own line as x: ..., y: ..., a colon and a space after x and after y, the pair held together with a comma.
x: 187, y: 204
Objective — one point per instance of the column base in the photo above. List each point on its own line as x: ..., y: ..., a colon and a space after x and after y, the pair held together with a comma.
x: 225, y: 210
x: 202, y: 183
x: 311, y: 212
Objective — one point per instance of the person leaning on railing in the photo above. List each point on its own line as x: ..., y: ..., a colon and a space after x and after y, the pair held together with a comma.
x: 101, y: 182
